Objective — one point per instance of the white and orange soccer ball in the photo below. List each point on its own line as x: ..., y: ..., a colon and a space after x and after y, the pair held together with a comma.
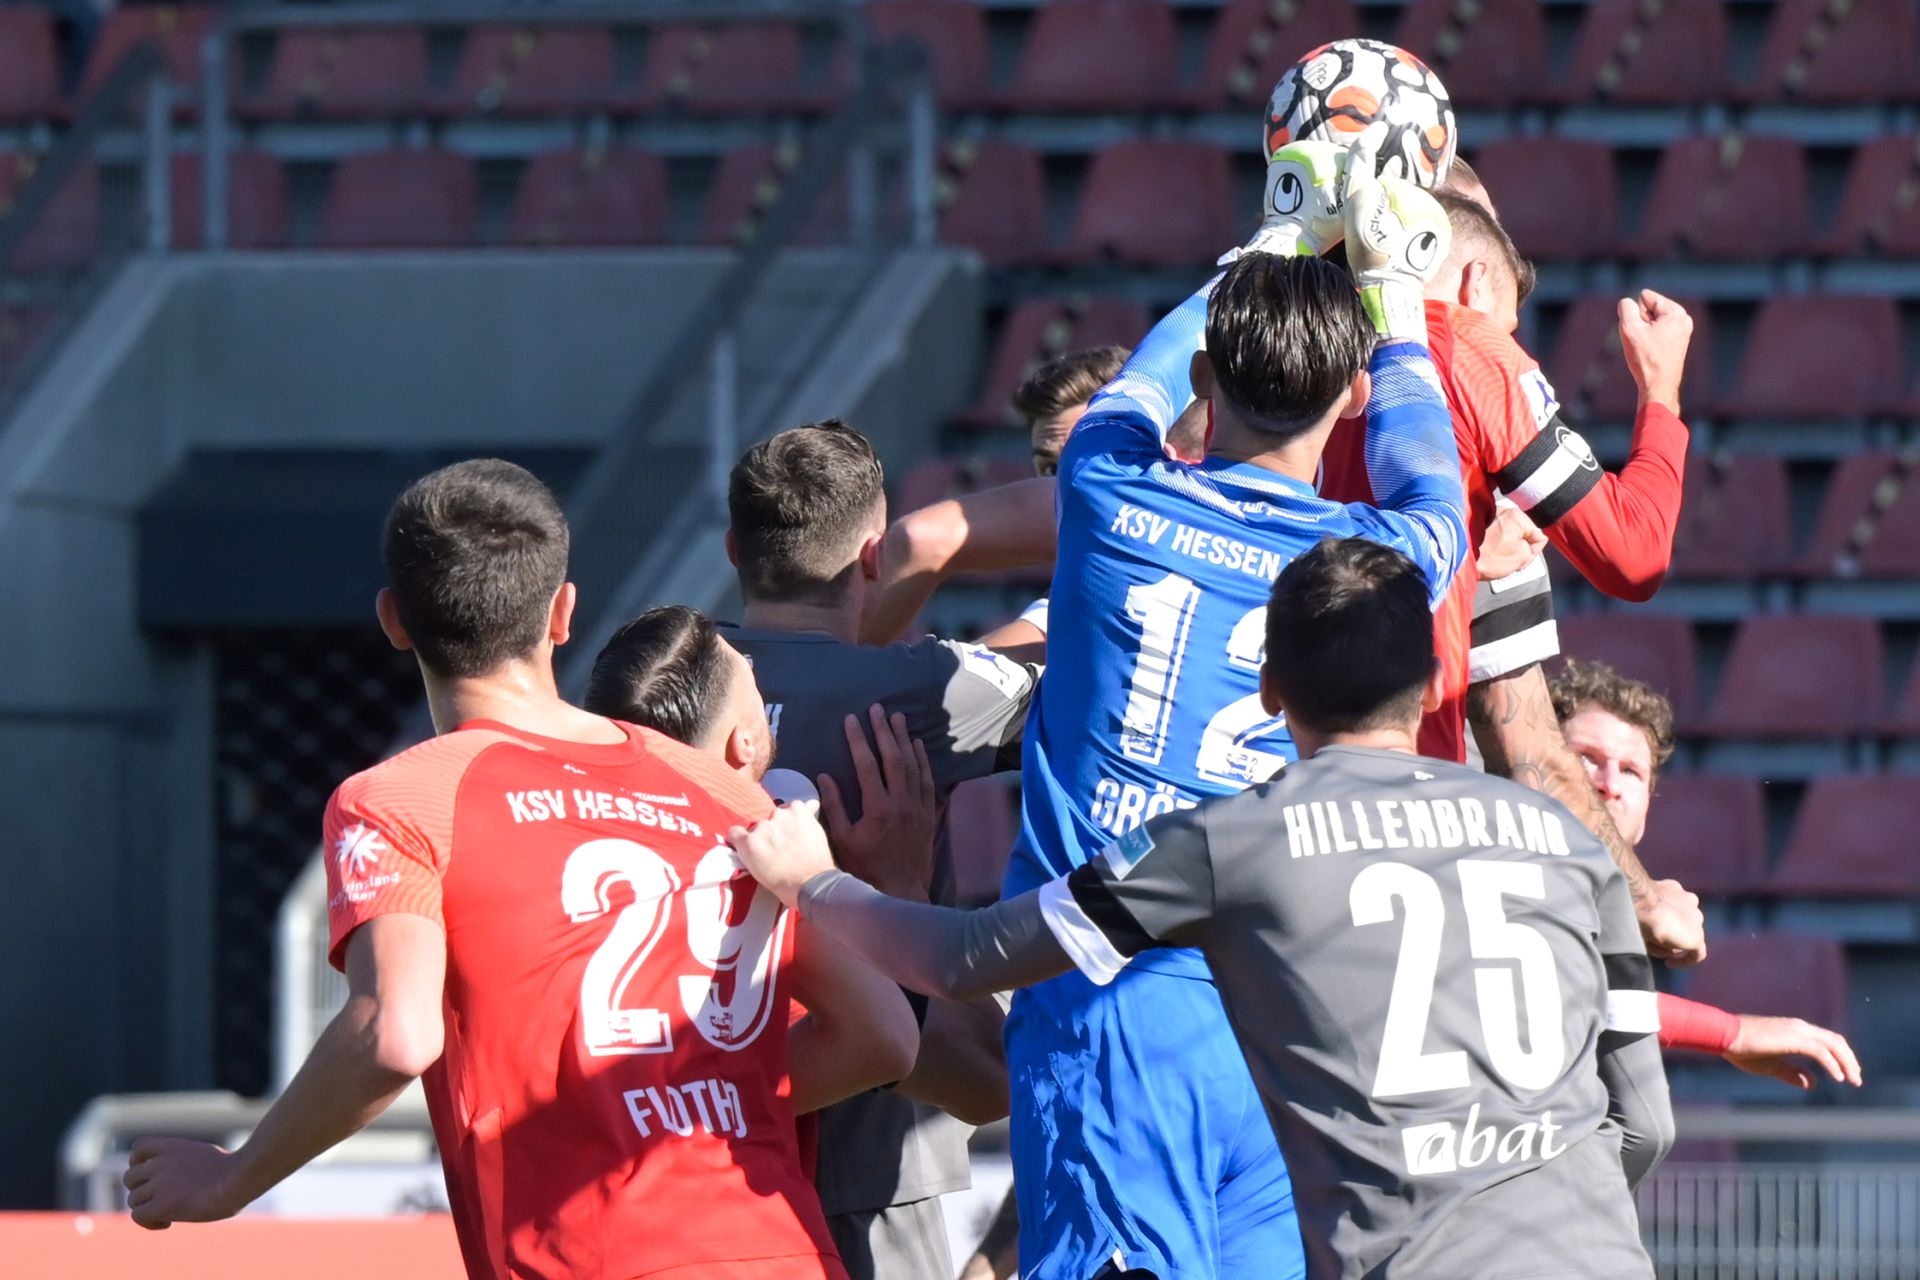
x: 1337, y: 91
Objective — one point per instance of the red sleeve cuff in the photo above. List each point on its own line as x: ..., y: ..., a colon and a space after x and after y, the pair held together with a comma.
x: 1688, y: 1024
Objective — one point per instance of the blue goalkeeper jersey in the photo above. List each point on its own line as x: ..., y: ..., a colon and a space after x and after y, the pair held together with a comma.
x: 1158, y: 618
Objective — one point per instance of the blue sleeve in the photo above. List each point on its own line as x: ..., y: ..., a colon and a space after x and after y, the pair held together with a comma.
x: 1136, y: 409
x: 1413, y: 464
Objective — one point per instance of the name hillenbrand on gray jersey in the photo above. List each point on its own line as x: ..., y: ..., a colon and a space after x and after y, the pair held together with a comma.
x: 1427, y: 969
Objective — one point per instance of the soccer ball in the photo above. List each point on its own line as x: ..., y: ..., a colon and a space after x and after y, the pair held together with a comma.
x: 1338, y: 90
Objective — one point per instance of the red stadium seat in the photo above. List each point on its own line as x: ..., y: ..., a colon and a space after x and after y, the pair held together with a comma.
x: 1709, y: 832
x: 29, y: 65
x: 336, y: 74
x: 1489, y: 54
x: 1735, y: 519
x: 993, y: 200
x: 66, y: 235
x: 1556, y: 196
x: 747, y: 68
x: 1590, y: 374
x: 749, y: 184
x: 1098, y: 55
x: 1819, y: 51
x: 1800, y: 676
x: 400, y: 200
x: 1879, y: 209
x: 534, y: 70
x: 1656, y: 648
x: 954, y: 34
x: 257, y: 209
x: 585, y: 198
x: 1860, y: 488
x: 1853, y: 837
x: 1778, y: 974
x: 982, y: 825
x: 1255, y: 40
x: 1728, y: 196
x: 1042, y: 328
x: 1634, y: 53
x: 1152, y: 203
x: 1820, y: 357
x: 1894, y: 551
x: 175, y: 29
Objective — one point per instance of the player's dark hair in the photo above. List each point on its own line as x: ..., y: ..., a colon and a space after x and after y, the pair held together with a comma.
x: 1476, y: 231
x: 664, y: 670
x: 474, y: 553
x: 798, y: 503
x: 1068, y: 379
x: 1286, y: 336
x: 1595, y: 684
x: 1350, y: 637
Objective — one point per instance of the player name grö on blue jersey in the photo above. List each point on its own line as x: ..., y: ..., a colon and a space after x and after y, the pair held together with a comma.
x: 1324, y: 827
x: 1209, y: 548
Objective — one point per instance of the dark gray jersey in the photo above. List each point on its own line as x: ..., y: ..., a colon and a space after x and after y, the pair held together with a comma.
x: 1423, y: 966
x: 967, y: 705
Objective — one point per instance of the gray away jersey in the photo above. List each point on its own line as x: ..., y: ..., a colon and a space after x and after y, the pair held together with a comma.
x: 967, y: 705
x: 1427, y: 970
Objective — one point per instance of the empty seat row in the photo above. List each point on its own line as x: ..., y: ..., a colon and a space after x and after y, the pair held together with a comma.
x: 1725, y: 196
x: 1735, y: 520
x: 1078, y: 55
x: 1787, y: 677
x: 1852, y: 837
x: 1773, y: 973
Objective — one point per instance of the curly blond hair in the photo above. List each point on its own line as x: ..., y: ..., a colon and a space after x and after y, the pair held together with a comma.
x: 1595, y: 684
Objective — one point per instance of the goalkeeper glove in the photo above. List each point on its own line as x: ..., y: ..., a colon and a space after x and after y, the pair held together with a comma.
x: 1305, y: 190
x: 1397, y: 237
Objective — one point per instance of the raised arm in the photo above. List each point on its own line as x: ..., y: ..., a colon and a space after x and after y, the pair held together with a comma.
x: 1616, y: 528
x: 1008, y: 527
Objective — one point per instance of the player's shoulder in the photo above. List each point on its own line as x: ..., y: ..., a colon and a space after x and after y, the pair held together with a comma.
x: 425, y: 773
x: 960, y: 659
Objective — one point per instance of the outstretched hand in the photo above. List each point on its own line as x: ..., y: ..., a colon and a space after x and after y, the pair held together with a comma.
x: 1771, y: 1046
x: 891, y: 846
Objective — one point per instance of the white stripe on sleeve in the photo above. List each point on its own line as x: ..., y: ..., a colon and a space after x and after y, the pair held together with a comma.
x: 1078, y: 935
x: 1546, y: 478
x: 1633, y: 1012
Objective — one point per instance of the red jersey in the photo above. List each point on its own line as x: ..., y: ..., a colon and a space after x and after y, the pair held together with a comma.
x: 1616, y: 529
x: 612, y: 1101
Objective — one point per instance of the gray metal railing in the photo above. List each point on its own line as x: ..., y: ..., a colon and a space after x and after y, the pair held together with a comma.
x: 71, y: 224
x: 1782, y: 1222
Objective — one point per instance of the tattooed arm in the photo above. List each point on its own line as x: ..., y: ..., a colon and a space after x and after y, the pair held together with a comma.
x: 1519, y: 736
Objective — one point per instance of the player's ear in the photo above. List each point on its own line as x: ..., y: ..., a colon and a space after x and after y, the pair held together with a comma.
x: 387, y: 609
x: 742, y: 749
x: 1435, y: 693
x: 1475, y: 292
x: 870, y: 557
x: 733, y: 550
x: 1200, y: 371
x: 560, y: 614
x: 1269, y: 695
x: 1358, y: 393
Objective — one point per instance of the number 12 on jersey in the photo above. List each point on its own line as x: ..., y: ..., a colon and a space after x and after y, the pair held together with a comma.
x: 1165, y: 611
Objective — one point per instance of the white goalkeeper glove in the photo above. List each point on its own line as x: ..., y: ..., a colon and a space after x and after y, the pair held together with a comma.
x: 1397, y: 237
x: 1306, y: 186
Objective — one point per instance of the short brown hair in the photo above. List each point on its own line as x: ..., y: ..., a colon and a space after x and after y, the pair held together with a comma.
x: 474, y: 554
x: 796, y: 504
x: 1067, y: 380
x: 665, y: 670
x: 1595, y: 684
x: 1477, y: 231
